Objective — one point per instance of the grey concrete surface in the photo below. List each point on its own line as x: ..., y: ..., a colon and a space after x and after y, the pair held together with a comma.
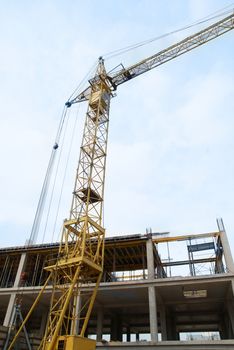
x: 169, y: 345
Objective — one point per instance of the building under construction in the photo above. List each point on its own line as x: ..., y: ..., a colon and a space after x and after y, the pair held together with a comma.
x: 145, y: 299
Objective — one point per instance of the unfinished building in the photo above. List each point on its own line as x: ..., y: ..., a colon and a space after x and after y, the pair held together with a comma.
x: 157, y: 291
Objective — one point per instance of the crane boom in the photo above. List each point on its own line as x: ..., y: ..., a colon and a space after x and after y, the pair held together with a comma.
x: 175, y: 50
x: 81, y: 254
x: 191, y: 42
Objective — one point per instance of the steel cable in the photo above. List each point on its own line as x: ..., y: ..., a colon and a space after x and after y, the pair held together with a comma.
x: 55, y: 177
x: 123, y: 50
x: 45, y: 186
x: 64, y: 175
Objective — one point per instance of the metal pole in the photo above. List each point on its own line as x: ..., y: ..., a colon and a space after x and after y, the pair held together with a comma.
x: 29, y: 313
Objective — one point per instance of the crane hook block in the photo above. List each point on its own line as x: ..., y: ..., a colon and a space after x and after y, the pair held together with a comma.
x: 68, y: 104
x: 55, y: 146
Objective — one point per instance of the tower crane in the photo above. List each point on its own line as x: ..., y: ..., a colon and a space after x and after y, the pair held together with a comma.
x: 81, y: 253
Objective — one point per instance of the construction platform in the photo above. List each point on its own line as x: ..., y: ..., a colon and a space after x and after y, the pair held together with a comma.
x: 158, y: 292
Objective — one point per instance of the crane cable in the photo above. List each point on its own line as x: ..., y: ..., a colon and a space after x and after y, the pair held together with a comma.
x: 55, y: 178
x: 84, y: 80
x: 64, y: 176
x: 45, y: 186
x: 123, y: 50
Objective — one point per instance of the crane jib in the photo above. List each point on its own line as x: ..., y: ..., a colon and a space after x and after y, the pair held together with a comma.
x: 173, y: 51
x: 189, y: 43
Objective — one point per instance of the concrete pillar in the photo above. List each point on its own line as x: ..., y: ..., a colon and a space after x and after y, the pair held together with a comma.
x: 172, y: 333
x: 219, y: 265
x: 153, y: 314
x: 232, y: 288
x: 119, y: 329
x: 230, y: 308
x: 100, y: 317
x: 76, y: 322
x: 10, y: 307
x: 150, y: 259
x: 227, y: 252
x: 169, y: 327
x: 226, y: 247
x: 163, y: 323
x: 20, y: 270
x: 10, y: 310
x: 175, y: 334
x: 223, y: 329
x: 116, y: 328
x: 159, y: 271
x: 113, y: 331
x: 43, y: 322
x: 128, y: 331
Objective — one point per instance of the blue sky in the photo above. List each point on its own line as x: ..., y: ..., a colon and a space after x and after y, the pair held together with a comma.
x: 170, y: 159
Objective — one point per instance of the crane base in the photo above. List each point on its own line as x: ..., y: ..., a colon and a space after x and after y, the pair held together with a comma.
x: 73, y: 342
x: 79, y: 343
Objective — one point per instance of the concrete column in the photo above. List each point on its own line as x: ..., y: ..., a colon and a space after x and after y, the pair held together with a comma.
x: 10, y: 307
x: 116, y: 328
x: 219, y: 265
x: 43, y: 322
x: 119, y: 328
x: 230, y: 308
x: 100, y: 316
x: 153, y: 314
x: 113, y: 331
x: 20, y: 270
x: 223, y: 329
x: 175, y: 334
x: 163, y: 322
x: 172, y: 333
x: 128, y: 331
x: 10, y: 310
x: 76, y: 323
x: 150, y: 259
x: 225, y: 244
x: 227, y: 251
x: 232, y: 288
x: 159, y: 272
x: 137, y: 336
x: 169, y: 327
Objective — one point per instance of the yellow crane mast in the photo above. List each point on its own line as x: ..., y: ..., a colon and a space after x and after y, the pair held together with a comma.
x: 81, y: 253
